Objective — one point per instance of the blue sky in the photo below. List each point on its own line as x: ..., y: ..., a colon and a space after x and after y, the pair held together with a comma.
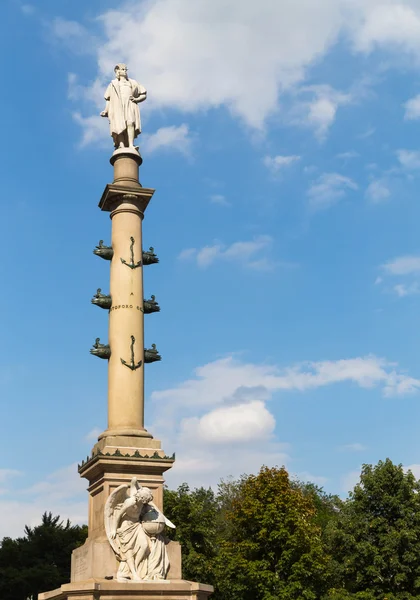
x: 283, y: 144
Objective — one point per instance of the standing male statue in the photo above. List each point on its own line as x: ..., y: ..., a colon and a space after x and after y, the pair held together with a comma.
x: 122, y: 96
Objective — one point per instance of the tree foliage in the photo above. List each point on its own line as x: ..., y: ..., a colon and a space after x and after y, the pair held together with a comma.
x: 375, y: 539
x: 196, y: 516
x: 39, y: 561
x: 275, y: 550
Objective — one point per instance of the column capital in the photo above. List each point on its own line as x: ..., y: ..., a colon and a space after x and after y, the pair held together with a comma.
x: 115, y: 196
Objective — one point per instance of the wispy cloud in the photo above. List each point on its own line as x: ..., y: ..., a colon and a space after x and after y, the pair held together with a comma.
x: 378, y: 191
x: 172, y: 138
x: 28, y: 9
x: 243, y: 253
x: 219, y: 199
x: 409, y: 159
x: 412, y: 108
x: 328, y: 189
x: 403, y: 265
x: 95, y: 131
x: 348, y: 155
x: 73, y: 36
x: 407, y: 269
x: 355, y: 447
x: 275, y: 164
x: 403, y: 289
x: 319, y: 111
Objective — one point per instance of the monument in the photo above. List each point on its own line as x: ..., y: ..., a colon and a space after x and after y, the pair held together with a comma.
x: 126, y: 555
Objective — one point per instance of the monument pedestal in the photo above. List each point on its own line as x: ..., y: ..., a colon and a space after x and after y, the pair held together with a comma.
x: 100, y: 589
x: 105, y: 472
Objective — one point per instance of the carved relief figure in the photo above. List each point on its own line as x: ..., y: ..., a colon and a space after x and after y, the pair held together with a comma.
x: 122, y: 97
x: 134, y: 527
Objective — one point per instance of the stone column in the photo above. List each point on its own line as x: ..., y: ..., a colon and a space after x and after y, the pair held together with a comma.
x: 126, y: 201
x: 126, y: 322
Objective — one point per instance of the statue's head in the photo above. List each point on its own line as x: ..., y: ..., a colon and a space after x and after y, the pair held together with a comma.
x: 144, y: 495
x: 120, y: 70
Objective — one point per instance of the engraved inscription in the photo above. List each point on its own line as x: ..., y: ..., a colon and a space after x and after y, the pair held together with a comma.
x: 118, y: 306
x: 81, y: 563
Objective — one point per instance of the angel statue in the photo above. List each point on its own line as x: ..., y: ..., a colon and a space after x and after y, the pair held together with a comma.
x: 134, y: 527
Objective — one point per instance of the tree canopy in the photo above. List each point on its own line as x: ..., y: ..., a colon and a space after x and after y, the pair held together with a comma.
x: 263, y: 537
x: 40, y: 560
x: 375, y: 538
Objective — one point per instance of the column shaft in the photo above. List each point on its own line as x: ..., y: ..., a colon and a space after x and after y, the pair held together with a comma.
x: 126, y: 319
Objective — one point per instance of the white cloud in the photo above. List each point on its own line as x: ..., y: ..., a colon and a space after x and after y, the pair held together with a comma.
x: 402, y: 289
x: 393, y: 24
x: 227, y: 403
x: 277, y: 163
x: 244, y: 57
x: 378, y: 191
x: 94, y: 130
x: 62, y: 492
x: 403, y: 265
x: 328, y: 189
x: 366, y: 134
x: 240, y: 423
x: 74, y: 36
x: 356, y: 447
x: 412, y: 108
x: 187, y: 254
x: 320, y: 111
x: 174, y: 138
x: 219, y: 199
x: 221, y: 379
x: 198, y: 56
x: 239, y: 252
x: 409, y: 159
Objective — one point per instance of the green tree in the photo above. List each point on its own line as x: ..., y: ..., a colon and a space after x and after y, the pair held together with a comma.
x: 375, y: 540
x: 39, y: 561
x: 274, y: 551
x: 196, y: 516
x: 327, y: 506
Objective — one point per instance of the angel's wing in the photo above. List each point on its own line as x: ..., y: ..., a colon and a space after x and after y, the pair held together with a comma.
x: 112, y: 510
x: 168, y: 523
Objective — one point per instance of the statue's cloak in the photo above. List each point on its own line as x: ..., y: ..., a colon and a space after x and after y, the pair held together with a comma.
x: 116, y: 111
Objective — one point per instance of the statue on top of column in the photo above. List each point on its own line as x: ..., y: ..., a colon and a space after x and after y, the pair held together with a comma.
x: 122, y: 97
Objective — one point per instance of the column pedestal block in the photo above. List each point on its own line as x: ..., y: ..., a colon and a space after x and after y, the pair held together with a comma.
x: 97, y: 589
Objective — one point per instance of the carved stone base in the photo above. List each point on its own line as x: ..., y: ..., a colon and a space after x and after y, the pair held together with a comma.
x: 97, y: 589
x: 96, y: 560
